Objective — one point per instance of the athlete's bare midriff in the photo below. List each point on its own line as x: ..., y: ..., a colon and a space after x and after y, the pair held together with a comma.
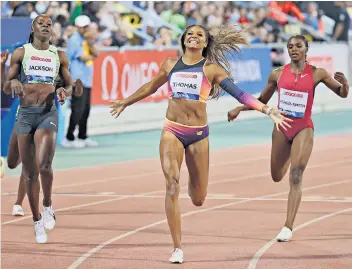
x: 187, y: 112
x: 37, y: 94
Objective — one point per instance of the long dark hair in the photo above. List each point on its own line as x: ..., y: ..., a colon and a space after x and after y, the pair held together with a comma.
x: 225, y: 40
x: 30, y: 39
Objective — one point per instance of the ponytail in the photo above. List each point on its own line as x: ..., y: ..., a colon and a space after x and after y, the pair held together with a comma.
x: 30, y: 39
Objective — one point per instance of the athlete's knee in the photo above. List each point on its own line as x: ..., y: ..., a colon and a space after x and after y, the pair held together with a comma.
x: 296, y: 175
x: 45, y: 168
x: 277, y: 176
x: 197, y: 197
x: 198, y: 201
x: 172, y: 187
x: 11, y: 165
x: 31, y: 176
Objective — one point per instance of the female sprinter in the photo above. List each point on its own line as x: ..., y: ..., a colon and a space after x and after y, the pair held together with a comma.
x: 37, y: 64
x: 17, y: 209
x: 296, y: 84
x: 13, y: 157
x: 191, y: 79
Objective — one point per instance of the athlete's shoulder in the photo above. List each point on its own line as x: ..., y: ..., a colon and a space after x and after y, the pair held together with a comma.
x: 212, y: 67
x: 171, y: 60
x: 18, y: 54
x: 62, y: 57
x: 53, y: 49
x: 314, y: 68
x: 276, y: 73
x: 318, y: 72
x: 169, y: 64
x: 27, y: 45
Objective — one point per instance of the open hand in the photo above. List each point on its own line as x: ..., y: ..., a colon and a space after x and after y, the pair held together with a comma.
x: 279, y: 119
x: 17, y: 88
x: 117, y: 107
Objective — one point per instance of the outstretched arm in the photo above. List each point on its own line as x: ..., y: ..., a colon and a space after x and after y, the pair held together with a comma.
x: 267, y: 93
x: 338, y: 84
x: 227, y: 84
x: 222, y: 79
x: 150, y: 87
x: 147, y: 89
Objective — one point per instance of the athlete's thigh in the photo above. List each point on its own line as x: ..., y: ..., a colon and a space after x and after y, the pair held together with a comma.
x: 301, y: 149
x: 197, y: 160
x: 171, y: 156
x: 280, y: 155
x: 45, y: 145
x: 45, y: 138
x: 27, y: 153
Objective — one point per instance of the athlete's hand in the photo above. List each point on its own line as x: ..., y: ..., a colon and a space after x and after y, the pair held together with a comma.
x: 16, y: 88
x: 233, y: 114
x: 340, y: 77
x: 117, y: 107
x: 61, y: 95
x: 78, y: 86
x: 279, y: 119
x: 4, y: 57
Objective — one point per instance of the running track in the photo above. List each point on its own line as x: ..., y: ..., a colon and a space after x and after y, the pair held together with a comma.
x: 112, y: 216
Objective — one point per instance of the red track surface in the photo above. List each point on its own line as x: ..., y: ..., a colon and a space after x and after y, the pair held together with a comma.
x: 99, y: 220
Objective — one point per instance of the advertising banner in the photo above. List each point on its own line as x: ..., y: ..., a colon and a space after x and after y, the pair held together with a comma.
x: 117, y: 75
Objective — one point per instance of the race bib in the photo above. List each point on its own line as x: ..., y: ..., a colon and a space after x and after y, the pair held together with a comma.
x: 186, y: 83
x: 40, y: 69
x: 293, y: 102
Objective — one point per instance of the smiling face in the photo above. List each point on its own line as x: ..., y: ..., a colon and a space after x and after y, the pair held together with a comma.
x: 195, y: 38
x: 297, y: 49
x: 42, y: 28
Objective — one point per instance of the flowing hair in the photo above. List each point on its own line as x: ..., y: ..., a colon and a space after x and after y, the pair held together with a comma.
x: 225, y: 40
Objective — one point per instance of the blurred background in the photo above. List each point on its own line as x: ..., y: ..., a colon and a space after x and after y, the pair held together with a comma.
x: 129, y: 40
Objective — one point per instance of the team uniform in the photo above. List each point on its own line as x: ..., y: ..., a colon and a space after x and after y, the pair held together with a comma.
x: 296, y: 96
x: 38, y: 67
x: 188, y: 82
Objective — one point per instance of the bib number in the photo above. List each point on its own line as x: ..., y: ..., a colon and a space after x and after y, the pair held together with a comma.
x: 186, y: 82
x: 40, y: 69
x: 293, y: 102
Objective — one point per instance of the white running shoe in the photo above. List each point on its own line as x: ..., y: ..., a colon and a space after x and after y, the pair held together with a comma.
x: 177, y: 256
x: 49, y: 218
x: 88, y: 142
x: 77, y: 144
x: 40, y: 233
x: 17, y: 210
x: 285, y: 235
